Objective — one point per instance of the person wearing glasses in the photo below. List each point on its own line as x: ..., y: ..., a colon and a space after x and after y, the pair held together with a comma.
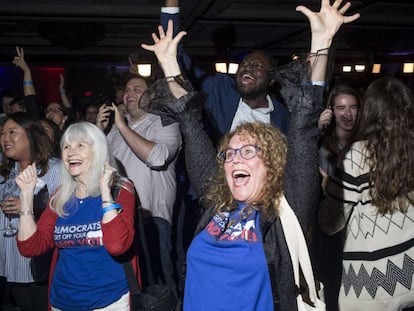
x: 61, y: 112
x: 56, y: 112
x: 238, y: 259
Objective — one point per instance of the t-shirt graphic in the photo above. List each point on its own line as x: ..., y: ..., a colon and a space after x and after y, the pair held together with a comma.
x: 217, y: 275
x: 86, y: 276
x: 234, y: 225
x: 89, y: 234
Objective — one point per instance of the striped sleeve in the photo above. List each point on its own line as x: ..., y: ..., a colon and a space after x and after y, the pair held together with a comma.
x: 53, y: 176
x: 348, y: 187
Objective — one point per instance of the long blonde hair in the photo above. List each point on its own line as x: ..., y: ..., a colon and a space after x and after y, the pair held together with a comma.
x: 92, y: 135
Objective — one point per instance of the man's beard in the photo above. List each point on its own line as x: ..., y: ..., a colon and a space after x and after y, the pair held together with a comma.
x: 260, y: 91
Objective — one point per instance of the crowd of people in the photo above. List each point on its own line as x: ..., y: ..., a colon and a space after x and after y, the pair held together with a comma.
x: 71, y: 186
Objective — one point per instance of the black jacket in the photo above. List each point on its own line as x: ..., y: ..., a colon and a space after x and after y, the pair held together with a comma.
x: 301, y: 180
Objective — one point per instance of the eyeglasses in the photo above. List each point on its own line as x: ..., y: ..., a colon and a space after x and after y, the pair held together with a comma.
x: 54, y: 110
x: 246, y: 152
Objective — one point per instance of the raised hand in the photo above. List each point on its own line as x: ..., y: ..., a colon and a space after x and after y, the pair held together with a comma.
x: 61, y: 82
x: 102, y: 119
x: 165, y: 48
x: 119, y: 118
x: 108, y: 174
x: 132, y: 67
x: 325, y: 118
x: 26, y: 180
x: 19, y: 60
x: 329, y: 19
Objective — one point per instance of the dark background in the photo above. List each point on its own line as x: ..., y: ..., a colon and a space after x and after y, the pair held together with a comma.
x: 90, y: 41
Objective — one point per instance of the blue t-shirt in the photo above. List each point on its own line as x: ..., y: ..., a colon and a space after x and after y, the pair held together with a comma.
x: 227, y: 267
x: 86, y: 277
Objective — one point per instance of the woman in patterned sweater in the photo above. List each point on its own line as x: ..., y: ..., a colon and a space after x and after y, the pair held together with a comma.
x: 372, y: 194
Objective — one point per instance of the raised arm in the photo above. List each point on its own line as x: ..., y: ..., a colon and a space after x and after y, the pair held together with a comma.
x: 165, y: 49
x: 324, y: 25
x: 20, y: 62
x: 200, y: 78
x: 305, y: 101
x: 30, y: 99
x: 33, y: 238
x: 26, y: 181
x: 62, y: 91
x: 184, y: 107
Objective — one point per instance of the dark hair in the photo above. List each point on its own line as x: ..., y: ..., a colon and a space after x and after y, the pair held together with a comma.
x: 272, y: 61
x: 18, y: 101
x: 9, y: 94
x: 329, y: 137
x: 132, y: 76
x: 40, y: 146
x: 61, y: 106
x: 386, y: 124
x: 57, y: 133
x: 69, y: 112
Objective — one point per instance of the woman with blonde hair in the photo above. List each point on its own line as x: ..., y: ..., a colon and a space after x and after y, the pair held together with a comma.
x: 89, y: 225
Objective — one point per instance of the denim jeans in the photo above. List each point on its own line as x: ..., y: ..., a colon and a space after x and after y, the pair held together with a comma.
x: 164, y: 229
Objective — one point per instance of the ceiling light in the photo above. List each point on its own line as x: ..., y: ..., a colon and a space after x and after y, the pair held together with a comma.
x: 221, y: 67
x: 144, y: 70
x: 233, y: 67
x: 408, y: 68
x: 359, y: 68
x: 376, y: 68
x: 346, y: 68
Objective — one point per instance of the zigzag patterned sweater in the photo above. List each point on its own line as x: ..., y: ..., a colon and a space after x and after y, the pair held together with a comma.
x: 378, y: 258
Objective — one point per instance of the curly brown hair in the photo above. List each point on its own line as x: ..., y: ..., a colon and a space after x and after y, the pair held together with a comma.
x: 386, y: 124
x: 273, y: 148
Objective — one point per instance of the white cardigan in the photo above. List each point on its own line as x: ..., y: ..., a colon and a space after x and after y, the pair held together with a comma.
x: 378, y: 264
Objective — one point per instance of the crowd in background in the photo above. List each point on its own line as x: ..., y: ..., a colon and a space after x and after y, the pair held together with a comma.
x: 209, y: 158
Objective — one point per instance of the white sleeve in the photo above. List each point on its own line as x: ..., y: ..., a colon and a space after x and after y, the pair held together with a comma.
x: 170, y: 9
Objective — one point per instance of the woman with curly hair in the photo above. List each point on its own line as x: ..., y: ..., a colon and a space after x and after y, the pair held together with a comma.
x: 239, y: 259
x: 371, y: 195
x: 272, y: 152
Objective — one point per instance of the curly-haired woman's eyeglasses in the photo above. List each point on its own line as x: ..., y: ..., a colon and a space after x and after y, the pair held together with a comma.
x: 246, y: 152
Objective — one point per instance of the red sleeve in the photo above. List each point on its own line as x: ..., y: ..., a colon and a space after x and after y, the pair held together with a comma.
x: 119, y: 233
x: 42, y: 240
